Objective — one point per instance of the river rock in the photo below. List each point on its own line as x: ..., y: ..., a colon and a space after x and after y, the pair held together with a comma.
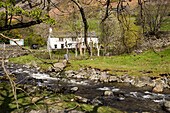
x: 139, y: 83
x: 127, y: 79
x: 166, y: 82
x: 81, y: 99
x: 94, y: 77
x: 81, y: 75
x: 74, y: 89
x: 167, y: 105
x: 96, y: 102
x: 151, y: 83
x: 108, y: 93
x: 69, y: 72
x: 6, y: 61
x: 112, y: 79
x: 59, y: 66
x: 121, y: 98
x: 147, y: 81
x: 104, y: 77
x: 158, y: 87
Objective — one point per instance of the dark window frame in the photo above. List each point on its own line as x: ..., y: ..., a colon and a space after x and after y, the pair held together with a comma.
x: 60, y: 39
x: 55, y: 46
x: 73, y: 38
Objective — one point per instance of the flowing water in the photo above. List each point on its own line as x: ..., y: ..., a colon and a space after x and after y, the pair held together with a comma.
x: 125, y: 96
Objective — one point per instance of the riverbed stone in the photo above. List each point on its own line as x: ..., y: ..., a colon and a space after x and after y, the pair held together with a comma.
x: 59, y: 66
x: 121, y: 98
x: 104, y: 77
x: 158, y: 87
x: 151, y: 83
x: 74, y: 89
x: 81, y: 99
x: 81, y: 75
x: 167, y: 105
x: 127, y: 79
x: 112, y: 79
x: 94, y: 77
x: 139, y: 83
x: 108, y: 93
x: 69, y: 72
x: 96, y: 102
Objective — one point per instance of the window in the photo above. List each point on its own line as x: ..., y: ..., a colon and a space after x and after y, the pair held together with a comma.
x: 60, y: 39
x: 62, y: 46
x: 70, y: 45
x: 55, y: 46
x: 73, y: 38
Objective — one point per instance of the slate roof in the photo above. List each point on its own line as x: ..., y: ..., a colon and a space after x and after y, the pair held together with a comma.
x: 72, y: 34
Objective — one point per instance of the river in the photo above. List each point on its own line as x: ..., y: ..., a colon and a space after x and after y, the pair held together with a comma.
x: 125, y: 97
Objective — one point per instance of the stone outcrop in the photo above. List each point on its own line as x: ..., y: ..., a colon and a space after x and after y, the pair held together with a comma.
x: 98, y: 75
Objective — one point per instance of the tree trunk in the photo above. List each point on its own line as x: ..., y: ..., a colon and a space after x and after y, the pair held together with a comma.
x: 76, y: 45
x: 105, y: 50
x: 84, y: 21
x: 91, y: 50
x: 80, y: 47
x: 6, y: 16
x: 98, y: 50
x: 85, y: 51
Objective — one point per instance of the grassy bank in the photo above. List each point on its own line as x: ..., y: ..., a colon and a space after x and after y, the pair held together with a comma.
x: 136, y: 65
x: 147, y: 63
x: 44, y: 100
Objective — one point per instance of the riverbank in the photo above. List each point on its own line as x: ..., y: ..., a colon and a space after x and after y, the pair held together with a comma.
x: 92, y: 96
x: 138, y: 70
x: 39, y: 94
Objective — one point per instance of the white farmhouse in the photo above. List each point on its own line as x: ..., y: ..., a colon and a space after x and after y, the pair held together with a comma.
x: 63, y: 40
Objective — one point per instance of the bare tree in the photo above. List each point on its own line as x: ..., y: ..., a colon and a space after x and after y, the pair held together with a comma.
x: 110, y: 32
x: 152, y: 14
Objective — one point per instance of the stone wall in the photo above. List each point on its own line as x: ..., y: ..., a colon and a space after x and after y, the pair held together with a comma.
x: 13, y: 53
x: 8, y: 46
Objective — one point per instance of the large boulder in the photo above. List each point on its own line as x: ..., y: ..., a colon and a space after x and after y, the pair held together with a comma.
x: 167, y: 105
x: 74, y: 89
x: 108, y: 93
x: 81, y: 99
x: 59, y: 66
x: 158, y: 87
x: 113, y: 79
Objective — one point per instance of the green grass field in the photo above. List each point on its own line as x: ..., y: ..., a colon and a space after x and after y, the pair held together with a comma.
x: 134, y: 64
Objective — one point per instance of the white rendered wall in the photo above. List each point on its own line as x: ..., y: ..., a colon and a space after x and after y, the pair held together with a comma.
x: 55, y: 41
